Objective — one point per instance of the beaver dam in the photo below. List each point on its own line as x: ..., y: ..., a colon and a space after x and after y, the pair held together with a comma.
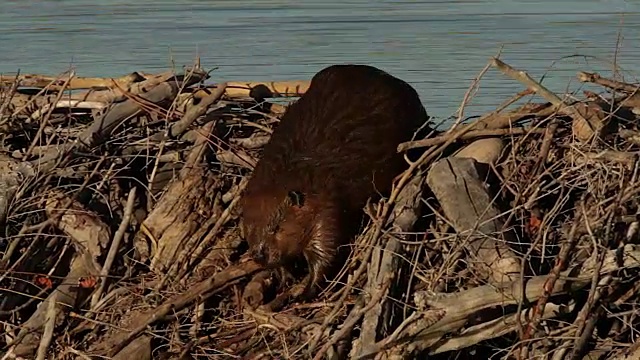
x: 513, y: 236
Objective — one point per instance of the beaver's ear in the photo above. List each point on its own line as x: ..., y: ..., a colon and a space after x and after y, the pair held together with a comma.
x: 296, y: 198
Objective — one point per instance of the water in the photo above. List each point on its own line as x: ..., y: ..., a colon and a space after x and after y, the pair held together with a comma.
x: 437, y: 46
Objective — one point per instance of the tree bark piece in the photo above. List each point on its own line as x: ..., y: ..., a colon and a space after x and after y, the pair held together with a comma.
x: 466, y: 203
x: 139, y: 349
x: 181, y: 212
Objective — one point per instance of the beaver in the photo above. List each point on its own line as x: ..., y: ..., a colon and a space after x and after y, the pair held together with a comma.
x: 334, y: 148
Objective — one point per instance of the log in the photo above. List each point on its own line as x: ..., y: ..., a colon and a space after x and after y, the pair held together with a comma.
x: 56, y: 83
x: 457, y: 185
x: 119, y: 93
x: 194, y: 112
x: 494, y: 328
x: 28, y: 104
x: 77, y: 104
x: 102, y: 127
x: 260, y: 89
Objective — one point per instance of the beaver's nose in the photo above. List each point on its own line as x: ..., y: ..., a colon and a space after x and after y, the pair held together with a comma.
x: 259, y: 254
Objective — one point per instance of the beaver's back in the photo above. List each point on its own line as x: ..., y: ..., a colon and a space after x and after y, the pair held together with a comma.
x: 341, y: 135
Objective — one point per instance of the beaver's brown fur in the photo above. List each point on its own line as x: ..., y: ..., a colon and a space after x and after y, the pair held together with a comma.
x: 334, y: 148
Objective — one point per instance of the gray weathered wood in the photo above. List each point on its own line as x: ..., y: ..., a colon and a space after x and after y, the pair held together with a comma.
x: 386, y: 259
x: 442, y: 314
x: 466, y: 202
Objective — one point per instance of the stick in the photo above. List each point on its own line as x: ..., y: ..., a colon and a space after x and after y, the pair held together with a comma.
x: 595, y: 78
x: 354, y: 317
x: 44, y: 121
x: 524, y: 78
x: 47, y: 335
x: 191, y: 115
x: 57, y: 83
x: 115, y: 245
x: 470, y: 135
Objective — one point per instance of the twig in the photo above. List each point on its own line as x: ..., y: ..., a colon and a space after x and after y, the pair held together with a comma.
x: 7, y: 100
x: 44, y: 121
x: 612, y: 84
x: 467, y: 95
x: 353, y: 318
x: 560, y: 265
x: 469, y: 135
x: 524, y: 78
x: 115, y: 246
x: 47, y: 335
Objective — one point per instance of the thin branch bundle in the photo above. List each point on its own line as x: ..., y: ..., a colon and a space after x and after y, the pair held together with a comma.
x: 514, y: 235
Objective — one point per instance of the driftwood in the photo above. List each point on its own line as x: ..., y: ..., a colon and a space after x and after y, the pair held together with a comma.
x: 57, y: 83
x: 485, y: 151
x: 182, y: 214
x: 458, y: 186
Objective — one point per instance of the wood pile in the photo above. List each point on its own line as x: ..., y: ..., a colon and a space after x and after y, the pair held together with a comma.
x: 515, y: 235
